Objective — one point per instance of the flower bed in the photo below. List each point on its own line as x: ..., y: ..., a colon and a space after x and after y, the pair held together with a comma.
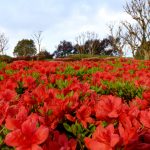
x: 102, y: 105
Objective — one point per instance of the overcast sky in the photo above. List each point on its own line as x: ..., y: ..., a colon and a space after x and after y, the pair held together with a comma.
x: 58, y: 19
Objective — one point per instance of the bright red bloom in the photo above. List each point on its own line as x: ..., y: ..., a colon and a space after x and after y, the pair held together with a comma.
x: 146, y: 95
x: 104, y: 138
x: 145, y: 118
x: 3, y: 111
x: 8, y: 95
x: 140, y: 142
x: 28, y: 81
x: 59, y: 142
x: 40, y: 93
x: 29, y: 136
x: 83, y: 115
x: 108, y: 106
x: 127, y: 133
x: 15, y: 122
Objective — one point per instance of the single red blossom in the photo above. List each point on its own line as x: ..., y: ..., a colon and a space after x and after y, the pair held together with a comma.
x: 29, y: 136
x: 28, y: 81
x: 108, y: 107
x: 15, y: 122
x: 127, y: 133
x: 83, y: 115
x: 40, y: 93
x: 103, y: 138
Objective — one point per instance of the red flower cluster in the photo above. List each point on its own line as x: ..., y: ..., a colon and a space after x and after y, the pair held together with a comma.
x: 101, y: 105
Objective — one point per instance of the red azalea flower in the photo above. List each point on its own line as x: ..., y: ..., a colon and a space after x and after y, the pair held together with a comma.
x: 145, y: 118
x: 8, y: 95
x: 15, y: 122
x: 28, y: 81
x: 83, y: 115
x: 103, y: 138
x: 3, y: 111
x: 108, y: 106
x: 140, y: 142
x: 146, y: 95
x: 127, y: 133
x: 59, y: 142
x: 29, y: 136
x: 40, y: 93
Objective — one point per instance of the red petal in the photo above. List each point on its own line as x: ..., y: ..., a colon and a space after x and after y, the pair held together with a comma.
x: 114, y: 140
x: 95, y: 145
x: 14, y: 138
x: 36, y: 147
x: 40, y: 135
x: 29, y: 127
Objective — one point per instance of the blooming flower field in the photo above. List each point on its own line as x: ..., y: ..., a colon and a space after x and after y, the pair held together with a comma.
x: 103, y: 105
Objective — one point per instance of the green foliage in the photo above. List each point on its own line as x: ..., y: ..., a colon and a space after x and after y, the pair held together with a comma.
x: 25, y: 48
x: 64, y: 49
x: 20, y: 89
x: 69, y: 70
x: 3, y: 132
x: 125, y: 90
x: 5, y: 58
x: 80, y: 73
x: 79, y: 132
x: 61, y: 84
x: 44, y: 55
x: 49, y: 112
x: 82, y: 56
x: 1, y: 77
x: 35, y: 75
x: 104, y: 124
x: 10, y: 72
x: 93, y: 70
x: 2, y: 65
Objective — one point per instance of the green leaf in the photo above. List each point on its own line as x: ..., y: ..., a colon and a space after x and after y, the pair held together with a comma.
x: 1, y: 78
x: 1, y: 140
x: 104, y: 124
x: 49, y: 112
x: 74, y: 129
x: 67, y: 127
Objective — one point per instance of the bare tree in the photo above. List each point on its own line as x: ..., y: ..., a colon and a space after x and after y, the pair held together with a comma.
x: 138, y: 34
x: 116, y: 36
x: 38, y: 39
x: 3, y: 43
x: 84, y: 37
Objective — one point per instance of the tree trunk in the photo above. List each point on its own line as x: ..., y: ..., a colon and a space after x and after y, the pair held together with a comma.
x: 146, y: 55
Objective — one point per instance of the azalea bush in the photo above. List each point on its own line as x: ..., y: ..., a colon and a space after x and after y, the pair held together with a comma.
x: 102, y: 105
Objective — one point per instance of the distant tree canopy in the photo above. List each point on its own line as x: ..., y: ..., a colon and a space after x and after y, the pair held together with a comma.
x: 88, y: 43
x: 25, y: 47
x: 64, y: 49
x: 89, y: 46
x: 44, y: 54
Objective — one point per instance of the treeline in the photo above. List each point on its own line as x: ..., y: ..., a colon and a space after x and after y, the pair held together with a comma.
x: 88, y: 43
